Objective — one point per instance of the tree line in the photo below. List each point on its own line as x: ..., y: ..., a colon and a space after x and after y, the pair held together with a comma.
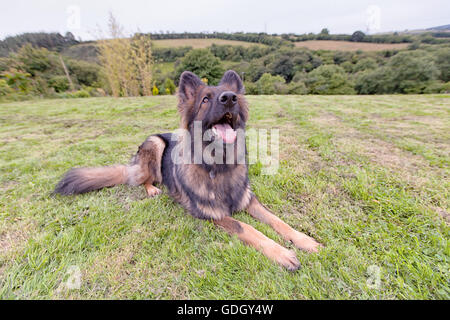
x: 52, y: 65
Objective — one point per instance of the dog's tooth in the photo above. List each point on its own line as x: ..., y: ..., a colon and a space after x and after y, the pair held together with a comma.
x: 214, y: 130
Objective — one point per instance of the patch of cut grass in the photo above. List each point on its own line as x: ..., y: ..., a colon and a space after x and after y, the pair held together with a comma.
x: 365, y: 175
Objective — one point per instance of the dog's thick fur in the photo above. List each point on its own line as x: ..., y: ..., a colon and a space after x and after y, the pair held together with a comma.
x: 207, y: 191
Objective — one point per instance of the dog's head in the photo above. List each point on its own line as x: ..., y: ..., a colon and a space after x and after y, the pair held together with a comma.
x: 222, y: 109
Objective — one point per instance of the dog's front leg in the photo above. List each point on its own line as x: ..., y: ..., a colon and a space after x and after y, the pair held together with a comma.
x: 259, y: 241
x: 300, y: 240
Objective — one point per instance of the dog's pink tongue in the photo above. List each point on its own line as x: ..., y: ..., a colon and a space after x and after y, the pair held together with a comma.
x: 226, y: 132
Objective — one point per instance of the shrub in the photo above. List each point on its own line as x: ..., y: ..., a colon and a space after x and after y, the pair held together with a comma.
x: 59, y: 83
x: 18, y: 80
x: 4, y: 88
x: 443, y: 63
x: 297, y: 88
x: 155, y: 90
x: 250, y: 87
x: 269, y: 84
x: 409, y: 69
x: 329, y: 79
x: 374, y: 82
x: 169, y: 86
x: 365, y: 64
x: 85, y: 72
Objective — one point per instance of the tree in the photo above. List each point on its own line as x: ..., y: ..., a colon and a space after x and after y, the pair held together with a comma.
x: 283, y: 66
x: 325, y: 31
x: 357, y: 36
x: 169, y: 86
x: 329, y: 79
x: 203, y: 63
x: 411, y: 70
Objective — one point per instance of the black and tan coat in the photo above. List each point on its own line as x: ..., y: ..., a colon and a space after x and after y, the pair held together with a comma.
x: 207, y: 191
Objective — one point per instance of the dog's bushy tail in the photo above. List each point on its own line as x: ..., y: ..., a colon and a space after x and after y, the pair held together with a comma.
x: 81, y: 180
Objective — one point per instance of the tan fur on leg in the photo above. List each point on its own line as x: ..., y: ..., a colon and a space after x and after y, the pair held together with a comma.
x: 260, y: 242
x: 151, y: 190
x: 300, y: 240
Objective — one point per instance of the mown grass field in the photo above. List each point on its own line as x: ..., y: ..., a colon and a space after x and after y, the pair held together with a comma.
x: 368, y: 176
x: 349, y: 45
x: 201, y: 43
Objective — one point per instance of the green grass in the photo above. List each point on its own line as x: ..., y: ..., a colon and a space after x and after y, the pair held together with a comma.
x: 366, y: 176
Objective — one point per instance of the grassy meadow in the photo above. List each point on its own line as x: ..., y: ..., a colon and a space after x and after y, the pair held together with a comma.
x: 200, y: 43
x: 367, y: 176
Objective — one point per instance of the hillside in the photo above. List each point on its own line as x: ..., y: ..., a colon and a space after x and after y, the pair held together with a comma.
x: 334, y: 45
x: 200, y: 43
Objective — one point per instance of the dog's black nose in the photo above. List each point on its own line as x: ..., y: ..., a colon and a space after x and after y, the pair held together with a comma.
x: 228, y: 98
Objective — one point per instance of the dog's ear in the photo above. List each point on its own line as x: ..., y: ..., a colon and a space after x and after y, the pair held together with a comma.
x: 189, y: 85
x: 187, y: 92
x: 232, y: 80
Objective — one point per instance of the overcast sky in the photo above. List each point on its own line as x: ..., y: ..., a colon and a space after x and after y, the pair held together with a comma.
x: 280, y: 16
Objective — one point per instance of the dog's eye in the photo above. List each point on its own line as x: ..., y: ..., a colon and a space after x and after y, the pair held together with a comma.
x: 205, y: 100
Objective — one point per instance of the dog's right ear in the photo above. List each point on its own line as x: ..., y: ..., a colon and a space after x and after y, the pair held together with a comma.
x: 189, y: 85
x: 187, y: 92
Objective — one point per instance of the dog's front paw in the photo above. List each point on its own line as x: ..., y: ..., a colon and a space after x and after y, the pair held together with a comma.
x: 288, y: 259
x: 283, y: 256
x: 152, y: 191
x: 304, y: 242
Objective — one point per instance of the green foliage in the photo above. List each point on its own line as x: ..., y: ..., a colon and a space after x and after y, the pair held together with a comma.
x: 18, y: 80
x: 269, y: 84
x: 423, y: 68
x: 374, y: 82
x: 365, y: 64
x: 169, y: 86
x: 203, y: 63
x: 86, y: 73
x: 5, y: 89
x: 250, y: 88
x: 358, y: 36
x: 443, y: 63
x: 297, y: 88
x: 59, y: 83
x: 347, y: 66
x: 406, y: 72
x: 74, y: 95
x: 329, y: 79
x: 410, y: 68
x: 35, y: 61
x: 50, y: 41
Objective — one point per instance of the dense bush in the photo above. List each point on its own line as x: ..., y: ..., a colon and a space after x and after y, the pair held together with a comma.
x: 269, y: 84
x: 406, y: 72
x: 59, y: 83
x: 329, y: 79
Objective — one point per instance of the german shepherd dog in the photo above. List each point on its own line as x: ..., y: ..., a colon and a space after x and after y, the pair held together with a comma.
x: 211, y: 191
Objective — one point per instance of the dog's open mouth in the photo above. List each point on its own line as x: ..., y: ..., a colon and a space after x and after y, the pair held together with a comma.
x: 224, y: 129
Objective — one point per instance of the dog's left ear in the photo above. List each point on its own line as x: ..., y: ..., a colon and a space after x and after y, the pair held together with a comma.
x: 233, y: 81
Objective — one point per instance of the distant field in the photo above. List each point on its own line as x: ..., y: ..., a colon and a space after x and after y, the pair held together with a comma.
x: 201, y: 43
x: 349, y: 45
x: 367, y: 176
